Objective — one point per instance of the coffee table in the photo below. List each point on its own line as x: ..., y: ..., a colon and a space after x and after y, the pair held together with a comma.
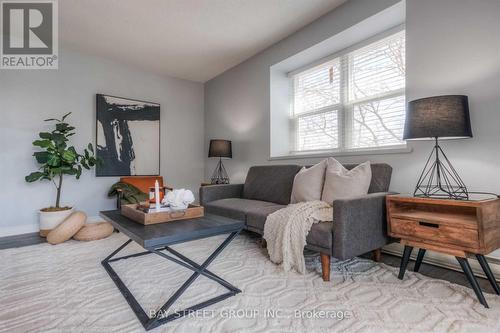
x: 159, y: 237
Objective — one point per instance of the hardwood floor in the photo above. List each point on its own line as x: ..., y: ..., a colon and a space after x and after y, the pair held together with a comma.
x: 438, y: 273
x: 20, y: 240
x: 426, y: 269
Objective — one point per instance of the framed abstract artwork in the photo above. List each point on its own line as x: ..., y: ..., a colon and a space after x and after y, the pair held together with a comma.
x: 127, y: 137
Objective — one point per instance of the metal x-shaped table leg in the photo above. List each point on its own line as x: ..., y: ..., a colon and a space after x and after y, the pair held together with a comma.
x: 150, y: 323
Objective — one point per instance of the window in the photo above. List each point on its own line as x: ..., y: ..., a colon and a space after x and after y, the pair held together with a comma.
x: 355, y: 101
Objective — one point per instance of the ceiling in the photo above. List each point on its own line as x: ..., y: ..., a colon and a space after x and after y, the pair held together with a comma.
x: 189, y: 39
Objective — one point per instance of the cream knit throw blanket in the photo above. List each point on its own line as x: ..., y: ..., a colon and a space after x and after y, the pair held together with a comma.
x: 285, y: 232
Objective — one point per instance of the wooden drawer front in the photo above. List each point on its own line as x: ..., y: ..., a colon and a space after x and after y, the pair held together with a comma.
x: 434, y: 232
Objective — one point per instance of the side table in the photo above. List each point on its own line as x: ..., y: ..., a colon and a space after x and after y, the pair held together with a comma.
x: 456, y: 227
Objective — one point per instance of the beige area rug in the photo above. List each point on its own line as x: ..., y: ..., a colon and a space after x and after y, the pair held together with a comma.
x: 64, y: 288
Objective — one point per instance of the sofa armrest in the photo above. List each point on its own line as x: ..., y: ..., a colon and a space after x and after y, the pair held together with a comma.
x: 359, y: 225
x: 215, y: 192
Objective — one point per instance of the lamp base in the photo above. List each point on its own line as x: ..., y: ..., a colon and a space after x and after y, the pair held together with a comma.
x: 439, y: 179
x: 219, y: 176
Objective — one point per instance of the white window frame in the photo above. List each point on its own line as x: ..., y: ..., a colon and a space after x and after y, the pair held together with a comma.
x: 345, y: 107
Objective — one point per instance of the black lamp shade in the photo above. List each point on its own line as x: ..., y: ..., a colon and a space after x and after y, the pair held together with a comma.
x: 220, y: 148
x: 438, y: 117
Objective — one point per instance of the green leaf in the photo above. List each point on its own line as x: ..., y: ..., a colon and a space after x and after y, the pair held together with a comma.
x: 34, y: 176
x: 59, y: 157
x: 70, y: 171
x: 42, y: 143
x: 61, y: 127
x: 64, y: 117
x: 61, y: 146
x: 45, y: 135
x: 79, y: 171
x: 56, y: 171
x: 69, y: 156
x: 85, y: 165
x: 54, y: 160
x: 58, y: 138
x: 73, y: 150
x: 42, y: 157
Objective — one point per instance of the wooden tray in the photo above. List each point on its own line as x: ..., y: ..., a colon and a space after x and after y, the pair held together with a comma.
x: 131, y: 211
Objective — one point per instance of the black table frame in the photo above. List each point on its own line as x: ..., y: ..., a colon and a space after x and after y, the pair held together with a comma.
x: 464, y: 264
x: 159, y: 319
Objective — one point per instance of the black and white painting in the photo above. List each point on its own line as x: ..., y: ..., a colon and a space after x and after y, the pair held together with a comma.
x: 128, y: 137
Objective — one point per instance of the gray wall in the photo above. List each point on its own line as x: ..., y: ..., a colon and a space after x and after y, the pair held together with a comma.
x: 452, y: 48
x: 237, y: 102
x: 27, y: 97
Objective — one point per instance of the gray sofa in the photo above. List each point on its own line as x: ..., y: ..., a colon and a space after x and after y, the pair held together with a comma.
x: 359, y: 223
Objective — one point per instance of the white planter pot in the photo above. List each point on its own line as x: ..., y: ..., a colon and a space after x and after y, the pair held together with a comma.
x: 50, y: 220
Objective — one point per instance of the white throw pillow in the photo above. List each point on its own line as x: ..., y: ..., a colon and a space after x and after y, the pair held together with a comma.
x: 341, y: 183
x: 308, y: 183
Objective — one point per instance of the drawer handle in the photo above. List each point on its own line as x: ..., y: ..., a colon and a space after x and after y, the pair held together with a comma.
x: 430, y: 225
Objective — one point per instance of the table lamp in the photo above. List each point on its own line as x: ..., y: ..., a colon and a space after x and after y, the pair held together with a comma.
x: 220, y: 148
x: 433, y: 118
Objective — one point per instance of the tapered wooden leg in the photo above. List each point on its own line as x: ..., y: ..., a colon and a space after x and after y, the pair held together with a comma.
x: 472, y: 280
x: 420, y: 257
x: 376, y: 254
x: 489, y: 274
x: 404, y: 261
x: 325, y: 266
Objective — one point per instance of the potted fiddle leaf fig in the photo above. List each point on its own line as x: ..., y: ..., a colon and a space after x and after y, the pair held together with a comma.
x: 57, y: 158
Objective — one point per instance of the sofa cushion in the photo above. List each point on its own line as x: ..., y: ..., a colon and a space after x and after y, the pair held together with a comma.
x: 381, y: 176
x: 321, y: 235
x: 257, y: 217
x: 235, y: 208
x: 341, y: 183
x: 271, y: 183
x: 308, y: 183
x: 255, y: 212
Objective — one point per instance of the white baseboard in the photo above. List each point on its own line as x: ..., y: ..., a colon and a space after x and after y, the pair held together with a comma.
x: 446, y: 261
x: 18, y: 230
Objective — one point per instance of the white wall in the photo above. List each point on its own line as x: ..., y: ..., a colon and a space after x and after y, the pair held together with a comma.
x: 381, y: 25
x: 453, y: 47
x: 237, y: 102
x: 27, y: 97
